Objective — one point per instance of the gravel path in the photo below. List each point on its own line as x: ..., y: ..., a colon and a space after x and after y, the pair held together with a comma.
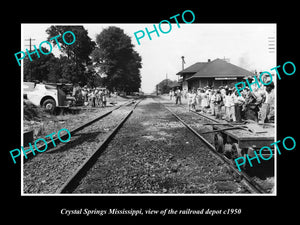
x: 47, y: 171
x: 154, y: 153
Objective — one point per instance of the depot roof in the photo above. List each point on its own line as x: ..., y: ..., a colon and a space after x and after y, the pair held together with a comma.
x: 215, y: 68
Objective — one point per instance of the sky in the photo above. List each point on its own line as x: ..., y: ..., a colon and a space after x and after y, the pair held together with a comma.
x: 245, y: 45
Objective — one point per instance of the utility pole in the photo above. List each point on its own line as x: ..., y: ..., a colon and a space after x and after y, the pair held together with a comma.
x: 167, y: 87
x: 30, y: 39
x: 167, y: 79
x: 226, y: 59
x: 183, y: 62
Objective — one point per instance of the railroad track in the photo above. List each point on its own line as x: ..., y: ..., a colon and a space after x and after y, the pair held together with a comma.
x: 74, y: 180
x: 73, y: 131
x: 247, y: 181
x: 77, y: 157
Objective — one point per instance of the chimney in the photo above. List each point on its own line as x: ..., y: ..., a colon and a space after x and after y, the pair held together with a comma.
x: 208, y: 60
x: 183, y: 62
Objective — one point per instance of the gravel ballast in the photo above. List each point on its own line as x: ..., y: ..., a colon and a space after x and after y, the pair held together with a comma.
x: 47, y: 171
x: 154, y: 153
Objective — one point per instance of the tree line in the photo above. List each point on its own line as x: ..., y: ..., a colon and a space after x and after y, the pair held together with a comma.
x: 110, y: 61
x: 166, y: 85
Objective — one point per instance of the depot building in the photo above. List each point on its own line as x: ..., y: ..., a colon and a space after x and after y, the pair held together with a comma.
x: 213, y: 74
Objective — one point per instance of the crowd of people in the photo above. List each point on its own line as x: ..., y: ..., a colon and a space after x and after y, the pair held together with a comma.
x: 225, y: 103
x: 93, y: 97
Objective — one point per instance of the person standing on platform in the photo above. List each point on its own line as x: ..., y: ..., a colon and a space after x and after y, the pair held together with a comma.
x: 170, y: 94
x: 251, y: 106
x: 178, y: 96
x: 104, y: 95
x: 229, y: 105
x: 191, y: 99
x: 204, y: 102
x: 238, y: 105
x: 93, y: 97
x: 212, y: 102
x: 268, y: 107
x: 218, y: 103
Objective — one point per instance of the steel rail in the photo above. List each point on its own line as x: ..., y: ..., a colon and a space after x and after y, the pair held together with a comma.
x: 211, y: 119
x: 73, y: 131
x: 72, y: 182
x: 254, y: 188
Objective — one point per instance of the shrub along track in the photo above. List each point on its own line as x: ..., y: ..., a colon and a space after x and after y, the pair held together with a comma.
x: 154, y: 153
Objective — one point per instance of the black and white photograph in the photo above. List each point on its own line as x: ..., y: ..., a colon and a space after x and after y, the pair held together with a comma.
x: 138, y: 113
x: 110, y: 112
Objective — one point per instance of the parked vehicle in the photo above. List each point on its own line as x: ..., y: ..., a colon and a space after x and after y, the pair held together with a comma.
x: 48, y: 96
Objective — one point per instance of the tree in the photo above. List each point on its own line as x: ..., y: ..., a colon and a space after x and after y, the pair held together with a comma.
x: 93, y: 78
x: 39, y: 68
x: 51, y: 69
x: 75, y: 56
x: 116, y: 58
x: 80, y: 49
x: 166, y: 85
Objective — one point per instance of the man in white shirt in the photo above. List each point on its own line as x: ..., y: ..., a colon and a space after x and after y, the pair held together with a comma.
x: 238, y: 104
x: 212, y: 102
x: 268, y: 108
x: 178, y: 96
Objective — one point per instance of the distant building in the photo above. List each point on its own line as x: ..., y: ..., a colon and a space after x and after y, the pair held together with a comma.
x: 213, y: 74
